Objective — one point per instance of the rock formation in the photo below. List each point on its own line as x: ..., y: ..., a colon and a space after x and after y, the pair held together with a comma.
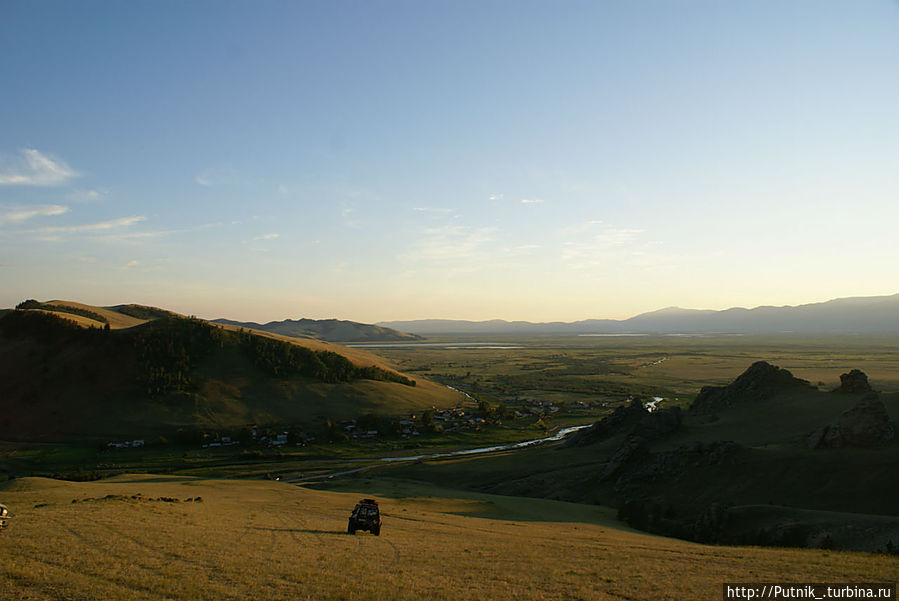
x: 622, y: 419
x: 865, y: 425
x: 761, y: 381
x: 854, y: 381
x: 658, y: 423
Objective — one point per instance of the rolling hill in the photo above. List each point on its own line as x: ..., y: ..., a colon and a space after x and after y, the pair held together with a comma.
x: 66, y: 376
x: 331, y: 330
x: 860, y: 315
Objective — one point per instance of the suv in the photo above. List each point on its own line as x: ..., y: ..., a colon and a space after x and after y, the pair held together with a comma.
x: 365, y: 516
x: 4, y: 516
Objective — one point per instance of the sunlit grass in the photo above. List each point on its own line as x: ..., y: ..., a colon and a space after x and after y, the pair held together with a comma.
x: 263, y: 540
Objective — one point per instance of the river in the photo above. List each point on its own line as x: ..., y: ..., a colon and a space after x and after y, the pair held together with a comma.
x: 463, y: 453
x: 502, y: 447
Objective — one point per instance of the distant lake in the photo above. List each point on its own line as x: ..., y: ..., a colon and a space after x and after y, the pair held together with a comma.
x: 673, y: 334
x: 489, y: 345
x: 612, y: 335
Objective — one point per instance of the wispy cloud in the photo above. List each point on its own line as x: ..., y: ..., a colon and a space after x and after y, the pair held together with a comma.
x: 35, y: 169
x: 495, y: 197
x: 593, y: 243
x: 131, y: 264
x: 87, y: 195
x: 530, y: 201
x: 521, y: 249
x: 348, y: 214
x: 267, y: 237
x: 216, y: 176
x: 451, y: 244
x: 438, y: 210
x: 149, y: 235
x: 135, y: 236
x: 93, y: 227
x: 23, y: 214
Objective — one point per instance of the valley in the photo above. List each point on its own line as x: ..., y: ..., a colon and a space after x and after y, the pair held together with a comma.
x: 698, y: 439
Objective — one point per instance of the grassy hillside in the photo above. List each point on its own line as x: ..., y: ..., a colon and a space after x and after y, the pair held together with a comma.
x: 267, y: 540
x: 59, y: 381
x: 117, y: 317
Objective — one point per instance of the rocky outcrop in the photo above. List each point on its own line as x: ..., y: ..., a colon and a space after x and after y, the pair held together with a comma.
x: 668, y: 466
x: 865, y: 425
x: 635, y: 420
x: 622, y: 419
x: 658, y: 423
x: 633, y: 447
x: 761, y: 381
x: 853, y: 382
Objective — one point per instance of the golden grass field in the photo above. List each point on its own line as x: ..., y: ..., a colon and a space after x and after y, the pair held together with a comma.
x: 272, y: 540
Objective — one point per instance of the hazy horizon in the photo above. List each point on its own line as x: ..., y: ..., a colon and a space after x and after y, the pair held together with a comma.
x: 397, y: 160
x: 250, y: 319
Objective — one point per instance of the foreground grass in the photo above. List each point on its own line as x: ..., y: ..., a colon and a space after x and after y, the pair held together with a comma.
x: 266, y: 540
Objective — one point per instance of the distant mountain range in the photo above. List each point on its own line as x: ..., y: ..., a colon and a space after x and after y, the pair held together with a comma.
x: 858, y: 315
x: 329, y: 330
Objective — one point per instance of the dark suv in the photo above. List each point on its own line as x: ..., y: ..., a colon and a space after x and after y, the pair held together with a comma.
x: 365, y: 516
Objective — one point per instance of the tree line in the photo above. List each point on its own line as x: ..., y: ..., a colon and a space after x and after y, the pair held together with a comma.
x: 167, y: 350
x: 280, y: 359
x: 34, y: 304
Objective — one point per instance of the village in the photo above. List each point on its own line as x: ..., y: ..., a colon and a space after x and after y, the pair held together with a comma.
x: 463, y: 418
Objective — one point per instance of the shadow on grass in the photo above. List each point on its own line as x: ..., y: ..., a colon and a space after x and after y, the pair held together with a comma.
x: 298, y: 530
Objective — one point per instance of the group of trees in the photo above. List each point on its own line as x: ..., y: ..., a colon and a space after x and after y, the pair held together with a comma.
x: 40, y: 325
x: 142, y: 312
x: 280, y: 359
x: 167, y: 349
x: 488, y: 410
x: 33, y: 304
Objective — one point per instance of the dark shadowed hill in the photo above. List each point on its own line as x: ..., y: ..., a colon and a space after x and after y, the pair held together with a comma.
x: 67, y: 379
x: 331, y: 330
x: 861, y: 315
x: 766, y: 460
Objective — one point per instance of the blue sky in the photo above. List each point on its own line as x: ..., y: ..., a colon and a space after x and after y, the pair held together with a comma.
x: 396, y: 160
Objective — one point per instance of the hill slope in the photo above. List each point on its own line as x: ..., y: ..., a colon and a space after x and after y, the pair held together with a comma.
x: 116, y: 317
x: 268, y: 541
x: 59, y: 381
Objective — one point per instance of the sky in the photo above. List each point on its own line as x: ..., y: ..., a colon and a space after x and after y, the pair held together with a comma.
x: 468, y: 159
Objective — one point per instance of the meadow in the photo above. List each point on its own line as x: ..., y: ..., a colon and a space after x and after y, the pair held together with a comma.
x: 140, y: 538
x: 612, y: 367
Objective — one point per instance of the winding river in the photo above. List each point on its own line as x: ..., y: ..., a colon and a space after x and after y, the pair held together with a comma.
x: 463, y: 453
x: 503, y: 447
